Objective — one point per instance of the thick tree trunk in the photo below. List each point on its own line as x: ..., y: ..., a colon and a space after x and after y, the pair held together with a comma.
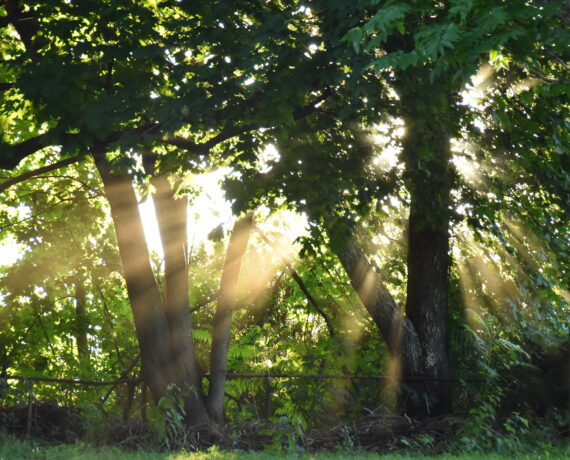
x: 426, y: 307
x: 417, y: 340
x: 171, y: 216
x: 146, y: 303
x: 223, y: 317
x: 427, y: 154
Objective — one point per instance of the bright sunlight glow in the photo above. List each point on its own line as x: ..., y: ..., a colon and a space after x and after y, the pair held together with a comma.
x: 10, y: 251
x: 207, y: 210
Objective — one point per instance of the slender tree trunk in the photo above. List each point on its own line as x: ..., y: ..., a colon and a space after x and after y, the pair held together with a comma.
x: 81, y: 325
x: 223, y: 317
x: 171, y: 215
x: 397, y: 331
x: 146, y: 303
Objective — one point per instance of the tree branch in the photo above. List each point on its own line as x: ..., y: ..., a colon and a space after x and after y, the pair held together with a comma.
x: 202, y: 304
x: 300, y: 283
x: 36, y: 172
x: 123, y: 378
x: 544, y: 78
x: 204, y: 148
x: 232, y: 131
x: 557, y: 59
x: 311, y: 107
x: 12, y: 154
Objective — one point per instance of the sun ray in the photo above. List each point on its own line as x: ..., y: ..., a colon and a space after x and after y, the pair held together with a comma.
x: 485, y: 281
x: 272, y: 250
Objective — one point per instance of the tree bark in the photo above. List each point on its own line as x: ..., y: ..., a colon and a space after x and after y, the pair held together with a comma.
x: 427, y: 155
x: 171, y: 213
x: 223, y: 317
x: 417, y: 340
x: 146, y: 303
x: 427, y: 309
x: 398, y: 332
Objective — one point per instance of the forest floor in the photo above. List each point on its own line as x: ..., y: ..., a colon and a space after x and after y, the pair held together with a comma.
x: 54, y: 433
x: 58, y: 424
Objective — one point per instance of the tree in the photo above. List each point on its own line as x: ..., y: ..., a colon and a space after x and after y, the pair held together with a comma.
x: 427, y: 54
x: 430, y: 52
x: 192, y: 96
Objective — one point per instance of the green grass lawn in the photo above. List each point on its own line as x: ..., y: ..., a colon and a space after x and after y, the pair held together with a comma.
x: 12, y: 448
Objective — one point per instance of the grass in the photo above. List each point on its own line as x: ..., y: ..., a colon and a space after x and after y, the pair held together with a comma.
x: 12, y: 448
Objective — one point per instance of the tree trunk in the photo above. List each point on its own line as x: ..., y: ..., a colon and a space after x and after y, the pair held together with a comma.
x: 398, y: 332
x: 81, y: 325
x: 427, y: 155
x: 426, y: 307
x: 171, y: 213
x: 223, y: 317
x: 417, y: 340
x: 146, y: 303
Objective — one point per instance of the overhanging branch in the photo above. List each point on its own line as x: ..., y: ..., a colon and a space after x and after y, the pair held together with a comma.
x: 232, y: 131
x: 204, y: 147
x: 12, y: 154
x: 36, y: 172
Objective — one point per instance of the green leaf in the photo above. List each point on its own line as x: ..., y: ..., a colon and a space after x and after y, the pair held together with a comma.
x: 401, y: 27
x: 202, y: 336
x: 354, y: 37
x: 386, y: 61
x: 461, y: 8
